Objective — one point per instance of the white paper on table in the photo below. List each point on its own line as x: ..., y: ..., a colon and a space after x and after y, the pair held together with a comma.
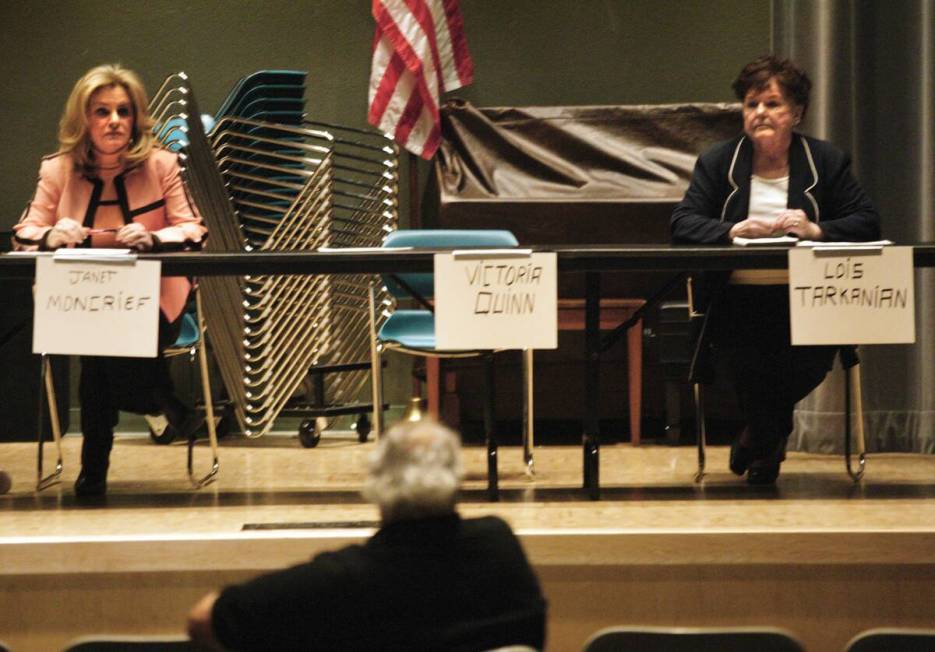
x: 778, y: 240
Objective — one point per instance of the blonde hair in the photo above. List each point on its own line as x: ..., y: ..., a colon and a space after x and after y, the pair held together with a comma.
x: 73, y: 127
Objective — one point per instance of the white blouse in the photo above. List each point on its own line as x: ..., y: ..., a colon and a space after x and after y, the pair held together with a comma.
x: 768, y: 198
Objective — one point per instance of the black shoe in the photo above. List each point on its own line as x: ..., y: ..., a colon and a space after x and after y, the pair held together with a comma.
x: 762, y: 472
x: 740, y: 455
x: 189, y: 425
x: 765, y: 470
x: 183, y: 420
x: 91, y: 484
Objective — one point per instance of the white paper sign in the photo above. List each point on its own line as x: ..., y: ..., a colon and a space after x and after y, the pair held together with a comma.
x: 857, y: 296
x: 96, y: 308
x: 495, y: 300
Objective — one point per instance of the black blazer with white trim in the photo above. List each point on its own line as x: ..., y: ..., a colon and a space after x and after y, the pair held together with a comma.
x: 820, y: 183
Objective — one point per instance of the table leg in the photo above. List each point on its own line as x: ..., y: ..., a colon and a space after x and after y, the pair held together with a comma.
x: 490, y: 425
x: 592, y: 337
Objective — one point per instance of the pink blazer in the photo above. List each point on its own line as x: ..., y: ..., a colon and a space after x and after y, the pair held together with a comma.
x: 151, y: 193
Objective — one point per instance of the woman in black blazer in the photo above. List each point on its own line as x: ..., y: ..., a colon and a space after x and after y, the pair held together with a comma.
x: 766, y: 182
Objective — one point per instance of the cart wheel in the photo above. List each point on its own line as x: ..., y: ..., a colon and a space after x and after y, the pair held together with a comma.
x: 160, y: 431
x: 362, y: 427
x: 309, y: 434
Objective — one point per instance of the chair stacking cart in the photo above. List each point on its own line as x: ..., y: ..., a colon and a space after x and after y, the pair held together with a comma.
x: 274, y: 182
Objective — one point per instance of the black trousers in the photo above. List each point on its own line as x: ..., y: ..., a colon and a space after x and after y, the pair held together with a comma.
x: 108, y: 385
x: 751, y: 332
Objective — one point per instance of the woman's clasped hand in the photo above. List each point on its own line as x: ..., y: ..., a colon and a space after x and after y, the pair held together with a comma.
x: 69, y: 232
x: 135, y: 236
x: 792, y: 222
x: 66, y: 232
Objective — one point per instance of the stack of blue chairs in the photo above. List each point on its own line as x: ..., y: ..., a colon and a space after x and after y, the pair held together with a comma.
x: 259, y: 151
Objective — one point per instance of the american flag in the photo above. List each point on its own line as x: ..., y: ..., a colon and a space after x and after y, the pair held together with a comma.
x: 419, y: 52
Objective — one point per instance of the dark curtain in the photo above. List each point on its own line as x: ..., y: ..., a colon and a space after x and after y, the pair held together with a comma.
x: 873, y: 68
x: 572, y: 174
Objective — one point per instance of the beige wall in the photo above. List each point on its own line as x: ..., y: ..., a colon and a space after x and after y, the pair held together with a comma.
x: 823, y: 605
x: 525, y: 52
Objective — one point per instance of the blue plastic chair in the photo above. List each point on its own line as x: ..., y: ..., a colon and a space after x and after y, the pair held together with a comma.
x: 270, y: 84
x: 412, y: 331
x: 189, y: 334
x: 173, y: 134
x: 191, y: 341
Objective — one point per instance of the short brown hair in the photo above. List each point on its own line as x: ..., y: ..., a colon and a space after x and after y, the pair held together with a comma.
x: 792, y: 79
x: 73, y: 127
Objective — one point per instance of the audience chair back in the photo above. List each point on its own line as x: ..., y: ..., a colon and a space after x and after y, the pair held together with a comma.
x: 119, y: 643
x: 893, y: 640
x: 662, y: 639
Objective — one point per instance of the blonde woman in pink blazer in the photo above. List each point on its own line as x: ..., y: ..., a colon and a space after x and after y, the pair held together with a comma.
x: 111, y: 185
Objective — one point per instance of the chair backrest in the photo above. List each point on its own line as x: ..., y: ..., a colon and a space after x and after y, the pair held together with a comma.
x: 424, y: 284
x: 689, y: 639
x: 893, y: 640
x: 267, y: 83
x: 117, y: 643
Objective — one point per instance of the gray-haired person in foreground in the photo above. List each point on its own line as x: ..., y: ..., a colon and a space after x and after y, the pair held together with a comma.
x: 426, y: 580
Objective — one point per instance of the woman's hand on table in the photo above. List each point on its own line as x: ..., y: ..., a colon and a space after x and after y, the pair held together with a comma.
x: 754, y: 227
x: 65, y: 232
x: 135, y: 236
x: 795, y: 222
x: 789, y: 222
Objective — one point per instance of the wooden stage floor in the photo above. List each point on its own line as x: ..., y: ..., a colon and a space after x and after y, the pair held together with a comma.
x: 817, y: 554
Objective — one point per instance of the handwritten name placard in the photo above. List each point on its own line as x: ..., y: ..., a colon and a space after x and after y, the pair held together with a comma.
x: 852, y: 297
x: 496, y: 300
x: 96, y: 308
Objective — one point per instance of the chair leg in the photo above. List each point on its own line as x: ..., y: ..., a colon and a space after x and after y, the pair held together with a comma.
x: 528, y: 412
x: 700, y: 429
x: 493, y: 488
x: 376, y: 369
x: 635, y: 380
x: 45, y: 381
x: 211, y: 476
x: 852, y: 382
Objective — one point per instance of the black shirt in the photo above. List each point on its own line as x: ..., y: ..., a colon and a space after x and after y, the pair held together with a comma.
x: 428, y: 584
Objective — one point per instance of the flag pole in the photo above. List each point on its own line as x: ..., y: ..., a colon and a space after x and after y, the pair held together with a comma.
x: 415, y: 222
